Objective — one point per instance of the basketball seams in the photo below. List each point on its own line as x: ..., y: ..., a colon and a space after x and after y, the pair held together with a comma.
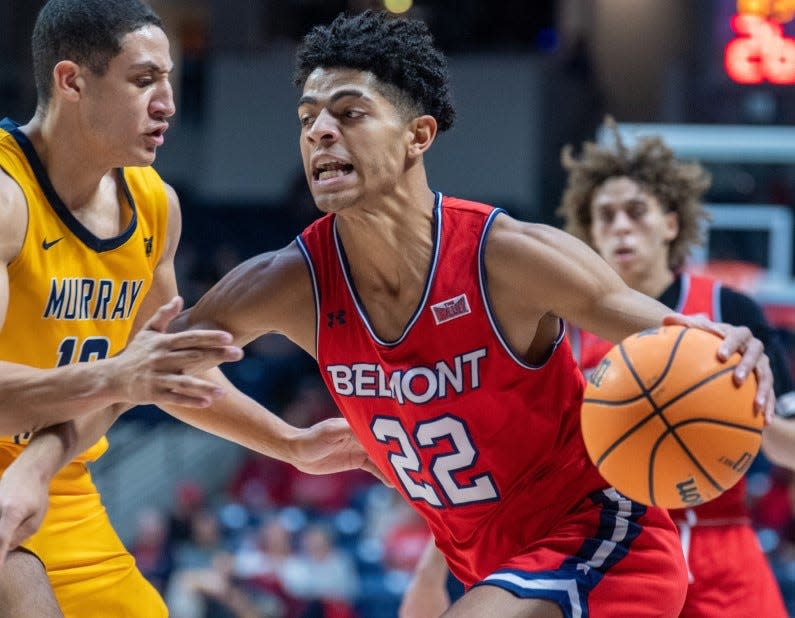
x: 670, y: 431
x: 697, y: 385
x: 628, y: 433
x: 645, y: 393
x: 662, y: 358
x: 663, y: 374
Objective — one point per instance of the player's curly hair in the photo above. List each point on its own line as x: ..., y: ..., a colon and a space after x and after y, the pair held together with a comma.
x: 398, y: 51
x: 88, y: 32
x: 678, y: 185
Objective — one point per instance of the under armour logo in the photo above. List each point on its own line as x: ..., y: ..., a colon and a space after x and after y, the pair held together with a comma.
x: 148, y: 245
x: 335, y: 317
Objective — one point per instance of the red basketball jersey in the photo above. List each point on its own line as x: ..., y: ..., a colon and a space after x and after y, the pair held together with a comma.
x: 699, y: 296
x: 486, y: 447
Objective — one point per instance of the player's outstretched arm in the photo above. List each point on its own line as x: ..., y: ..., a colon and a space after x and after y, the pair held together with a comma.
x: 566, y: 278
x: 269, y: 293
x: 154, y: 368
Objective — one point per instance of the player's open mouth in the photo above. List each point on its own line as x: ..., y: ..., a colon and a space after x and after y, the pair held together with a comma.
x: 157, y: 135
x: 331, y: 169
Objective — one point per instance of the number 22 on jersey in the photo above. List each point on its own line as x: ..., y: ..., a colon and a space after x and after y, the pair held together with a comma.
x: 446, y: 469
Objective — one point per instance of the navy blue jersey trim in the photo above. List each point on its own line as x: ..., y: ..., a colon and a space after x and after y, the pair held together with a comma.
x: 315, y: 289
x: 484, y: 292
x: 64, y: 214
x: 436, y: 232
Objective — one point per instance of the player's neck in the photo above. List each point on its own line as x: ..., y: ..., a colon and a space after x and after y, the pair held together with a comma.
x: 74, y: 174
x: 389, y: 244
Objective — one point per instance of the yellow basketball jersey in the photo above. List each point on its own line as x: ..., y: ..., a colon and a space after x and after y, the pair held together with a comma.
x: 73, y: 296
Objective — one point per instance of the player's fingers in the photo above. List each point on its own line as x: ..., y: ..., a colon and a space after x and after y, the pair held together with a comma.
x: 197, y: 339
x: 9, y: 523
x: 740, y: 339
x: 753, y: 360
x: 164, y: 314
x: 770, y: 408
x: 764, y: 391
x: 370, y: 467
x: 195, y: 360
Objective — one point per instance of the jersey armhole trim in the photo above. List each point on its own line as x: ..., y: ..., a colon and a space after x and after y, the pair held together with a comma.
x: 487, y: 303
x: 315, y: 291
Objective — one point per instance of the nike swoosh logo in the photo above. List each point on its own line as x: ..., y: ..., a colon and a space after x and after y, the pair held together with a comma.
x: 46, y: 245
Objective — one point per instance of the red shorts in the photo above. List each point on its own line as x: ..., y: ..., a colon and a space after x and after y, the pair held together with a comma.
x: 730, y: 575
x: 612, y: 557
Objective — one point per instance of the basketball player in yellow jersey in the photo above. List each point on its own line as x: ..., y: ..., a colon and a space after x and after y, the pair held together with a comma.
x: 88, y: 233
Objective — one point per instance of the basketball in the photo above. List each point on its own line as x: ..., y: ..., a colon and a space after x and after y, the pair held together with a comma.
x: 664, y: 421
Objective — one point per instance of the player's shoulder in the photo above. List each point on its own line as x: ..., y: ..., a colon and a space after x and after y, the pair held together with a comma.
x: 13, y: 217
x: 270, y: 292
x: 271, y: 272
x: 508, y: 233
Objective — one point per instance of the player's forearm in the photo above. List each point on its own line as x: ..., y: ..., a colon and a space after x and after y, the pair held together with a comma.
x: 32, y: 398
x: 778, y: 442
x: 51, y: 448
x: 239, y: 418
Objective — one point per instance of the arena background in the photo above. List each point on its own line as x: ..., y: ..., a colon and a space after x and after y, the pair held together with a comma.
x: 223, y: 532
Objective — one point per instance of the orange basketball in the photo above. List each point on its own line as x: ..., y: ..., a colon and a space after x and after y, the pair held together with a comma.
x: 664, y: 422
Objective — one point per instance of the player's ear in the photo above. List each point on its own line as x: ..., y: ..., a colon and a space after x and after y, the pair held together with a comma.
x: 671, y: 225
x: 67, y: 80
x: 423, y: 132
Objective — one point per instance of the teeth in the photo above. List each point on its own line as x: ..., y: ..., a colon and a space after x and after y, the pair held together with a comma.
x: 326, y: 174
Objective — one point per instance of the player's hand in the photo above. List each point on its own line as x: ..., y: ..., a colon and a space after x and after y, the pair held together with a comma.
x: 23, y: 504
x: 330, y: 446
x: 424, y: 598
x: 159, y: 367
x: 739, y: 339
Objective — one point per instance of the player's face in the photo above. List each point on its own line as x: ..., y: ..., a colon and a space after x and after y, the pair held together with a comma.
x: 353, y: 140
x: 630, y: 229
x: 123, y: 112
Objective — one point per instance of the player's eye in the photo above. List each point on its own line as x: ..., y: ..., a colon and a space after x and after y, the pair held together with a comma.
x: 637, y: 211
x: 606, y: 216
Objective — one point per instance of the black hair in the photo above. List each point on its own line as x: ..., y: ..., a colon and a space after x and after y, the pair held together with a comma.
x: 88, y: 32
x: 400, y: 52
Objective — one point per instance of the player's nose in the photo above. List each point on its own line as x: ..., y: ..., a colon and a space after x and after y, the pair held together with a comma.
x: 324, y: 127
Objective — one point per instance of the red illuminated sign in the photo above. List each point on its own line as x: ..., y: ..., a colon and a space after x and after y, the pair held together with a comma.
x: 760, y: 53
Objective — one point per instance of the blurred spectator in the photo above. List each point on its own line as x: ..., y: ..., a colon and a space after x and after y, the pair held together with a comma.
x: 151, y: 548
x: 211, y: 592
x: 259, y: 564
x: 321, y: 575
x: 406, y: 540
x: 188, y: 500
x: 262, y: 481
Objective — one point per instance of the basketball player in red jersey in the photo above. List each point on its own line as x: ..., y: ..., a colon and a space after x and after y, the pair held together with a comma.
x: 462, y: 390
x: 641, y: 210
